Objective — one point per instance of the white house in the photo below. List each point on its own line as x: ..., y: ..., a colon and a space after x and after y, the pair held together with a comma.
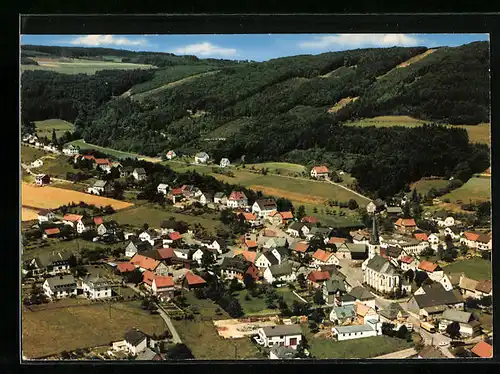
x: 201, y: 158
x: 149, y: 236
x: 217, y: 244
x: 408, y: 262
x: 96, y: 287
x: 59, y: 287
x: 100, y: 187
x: 220, y: 198
x: 298, y: 229
x: 162, y: 188
x: 372, y: 327
x: 139, y: 174
x: 224, y: 163
x: 264, y: 260
x: 319, y: 172
x: 198, y: 254
x: 447, y: 222
x: 42, y: 179
x: 453, y: 233
x: 72, y: 219
x: 286, y: 335
x: 321, y: 257
x: 280, y: 273
x: 136, y: 341
x: 37, y: 163
x: 71, y: 150
x: 237, y: 199
x: 264, y: 207
x: 171, y: 155
x: 45, y: 216
x: 162, y: 285
x: 205, y: 198
x: 433, y: 240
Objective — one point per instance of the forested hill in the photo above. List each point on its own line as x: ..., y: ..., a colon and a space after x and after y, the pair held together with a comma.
x: 279, y: 110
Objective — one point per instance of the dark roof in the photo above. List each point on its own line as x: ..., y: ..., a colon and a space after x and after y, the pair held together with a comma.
x: 141, y: 245
x: 135, y: 337
x: 333, y: 271
x: 296, y: 226
x: 266, y: 204
x: 284, y: 269
x: 379, y: 203
x: 323, y: 231
x: 347, y: 297
x: 391, y: 312
x: 271, y: 258
x: 47, y: 259
x: 394, y: 252
x: 335, y: 285
x: 381, y: 265
x: 62, y: 281
x: 283, y: 251
x: 361, y: 293
x: 280, y: 330
x: 219, y: 195
x: 236, y: 263
x: 436, y: 295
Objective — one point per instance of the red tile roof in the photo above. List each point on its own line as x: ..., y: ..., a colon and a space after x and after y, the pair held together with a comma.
x: 163, y: 281
x: 286, y: 215
x: 269, y: 233
x: 320, y: 169
x: 427, y: 266
x: 473, y: 236
x: 147, y: 277
x: 318, y: 276
x: 89, y: 157
x: 175, y: 235
x: 382, y: 253
x: 274, y: 213
x: 98, y: 220
x: 193, y: 279
x: 124, y: 267
x: 422, y: 236
x: 249, y: 216
x: 72, y: 217
x: 310, y: 219
x: 484, y: 286
x: 251, y: 243
x: 176, y: 191
x: 102, y: 161
x: 237, y: 196
x: 322, y: 255
x: 144, y: 262
x: 165, y: 253
x: 406, y: 222
x: 250, y: 256
x: 335, y: 240
x: 483, y: 350
x: 407, y: 259
x: 52, y: 231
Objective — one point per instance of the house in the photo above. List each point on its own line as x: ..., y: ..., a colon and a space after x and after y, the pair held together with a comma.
x: 407, y: 263
x: 45, y: 215
x: 249, y: 256
x: 371, y: 328
x: 345, y: 300
x: 333, y: 287
x: 275, y: 218
x: 264, y: 260
x: 149, y: 355
x: 298, y: 229
x: 364, y: 312
x: 251, y: 244
x: 429, y: 352
x: 334, y: 241
x: 148, y: 235
x: 484, y: 288
x: 201, y: 158
x: 144, y: 263
x: 171, y: 155
x: 220, y: 198
x: 381, y: 274
x: 59, y: 287
x: 360, y: 236
x: 280, y: 273
x: 468, y: 287
x: 139, y: 174
x: 37, y: 163
x: 482, y: 350
x: 319, y: 172
x: 251, y: 219
x: 275, y: 243
x: 135, y: 246
x: 447, y: 222
x: 72, y: 219
x: 53, y: 263
x: 431, y: 300
x: 468, y: 326
x: 393, y: 314
x: 484, y: 242
x: 136, y: 341
x: 50, y: 233
x: 285, y: 335
x: 422, y: 236
x: 361, y: 294
x: 126, y: 171
x: 280, y: 352
x: 96, y: 287
x: 85, y: 224
x: 321, y: 257
x: 405, y: 225
x: 192, y: 281
x: 343, y: 315
x: 431, y: 269
x: 264, y: 207
x: 110, y: 228
x: 281, y: 253
x: 237, y: 199
x: 218, y: 244
x: 315, y: 278
x: 206, y: 198
x: 352, y: 251
x: 198, y: 254
x: 299, y: 248
x: 319, y: 232
x: 224, y: 163
x: 394, y: 211
x: 469, y: 238
x: 162, y: 188
x: 71, y: 150
x: 100, y: 187
x: 433, y: 240
x: 104, y: 164
x: 124, y: 267
x: 161, y: 286
x: 453, y: 232
x: 238, y: 268
x: 42, y: 179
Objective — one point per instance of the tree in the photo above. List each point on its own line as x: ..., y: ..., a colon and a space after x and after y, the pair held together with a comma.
x: 353, y: 204
x: 406, y: 211
x: 409, y: 275
x: 453, y: 329
x: 207, y: 259
x: 54, y: 137
x: 234, y: 308
x: 403, y: 333
x: 420, y: 277
x: 301, y: 212
x: 440, y: 252
x: 318, y: 297
x: 249, y: 281
x: 414, y: 196
x: 301, y: 279
x: 179, y: 352
x: 134, y: 276
x: 234, y: 285
x: 427, y: 252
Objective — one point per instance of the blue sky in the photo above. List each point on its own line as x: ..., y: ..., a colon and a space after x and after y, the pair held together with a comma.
x: 258, y: 47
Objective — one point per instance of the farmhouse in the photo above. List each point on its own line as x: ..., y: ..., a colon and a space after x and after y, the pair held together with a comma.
x: 104, y: 164
x: 237, y: 268
x: 280, y: 273
x: 224, y: 163
x: 285, y: 335
x: 286, y: 217
x: 124, y: 267
x: 144, y: 263
x: 430, y: 300
x: 148, y: 235
x: 468, y: 326
x: 319, y: 172
x: 372, y: 328
x: 264, y: 260
x: 315, y: 278
x: 42, y: 179
x: 59, y: 287
x: 135, y: 246
x: 159, y: 285
x: 470, y: 239
x: 237, y: 199
x: 171, y: 155
x: 45, y: 215
x: 220, y: 198
x: 110, y: 228
x: 201, y: 158
x: 96, y: 287
x: 453, y: 232
x: 85, y: 224
x: 321, y: 257
x: 447, y: 222
x: 72, y: 219
x: 484, y: 242
x: 49, y: 233
x: 251, y: 219
x: 191, y: 281
x: 405, y: 225
x: 52, y: 263
x: 433, y: 270
x: 310, y: 220
x: 298, y: 229
x: 139, y: 174
x: 407, y: 263
x: 219, y: 245
x: 71, y: 150
x: 264, y: 207
x: 136, y: 341
x: 162, y: 188
x: 100, y: 187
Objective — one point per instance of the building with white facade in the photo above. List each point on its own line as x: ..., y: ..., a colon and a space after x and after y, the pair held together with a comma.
x: 286, y: 335
x: 60, y: 287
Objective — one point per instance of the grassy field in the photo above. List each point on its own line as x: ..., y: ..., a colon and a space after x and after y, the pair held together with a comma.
x: 29, y: 154
x: 257, y: 306
x: 56, y: 166
x: 206, y: 307
x: 424, y: 185
x: 374, y: 346
x: 52, y: 331
x: 80, y: 66
x: 476, y: 189
x: 154, y: 216
x: 202, y: 338
x: 44, y: 128
x: 477, y: 133
x: 342, y: 103
x: 475, y: 268
x: 112, y: 152
x: 280, y: 167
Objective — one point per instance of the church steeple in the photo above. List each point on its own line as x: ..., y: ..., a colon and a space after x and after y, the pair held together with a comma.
x: 374, y: 236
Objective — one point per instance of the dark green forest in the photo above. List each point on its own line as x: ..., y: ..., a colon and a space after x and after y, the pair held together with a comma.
x: 253, y: 105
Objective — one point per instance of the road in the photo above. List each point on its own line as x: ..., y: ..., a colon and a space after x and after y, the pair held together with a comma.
x: 405, y: 353
x: 175, y: 336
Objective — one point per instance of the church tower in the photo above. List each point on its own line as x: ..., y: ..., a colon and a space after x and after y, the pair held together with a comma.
x: 374, y: 244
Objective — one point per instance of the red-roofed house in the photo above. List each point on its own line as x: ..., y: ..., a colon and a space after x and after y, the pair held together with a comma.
x: 405, y: 225
x: 315, y: 279
x: 250, y: 218
x: 165, y: 253
x: 251, y: 244
x: 98, y: 220
x: 125, y: 267
x: 286, y: 216
x: 193, y: 281
x: 72, y: 219
x: 482, y: 350
x: 275, y: 218
x: 428, y: 266
x: 175, y: 236
x: 469, y: 238
x: 250, y: 256
x: 407, y: 263
x: 176, y: 195
x: 334, y: 240
x: 310, y: 219
x: 144, y: 263
x: 48, y: 233
x: 103, y: 164
x: 300, y: 248
x: 237, y: 199
x: 319, y: 172
x: 321, y: 257
x: 159, y: 285
x: 422, y: 236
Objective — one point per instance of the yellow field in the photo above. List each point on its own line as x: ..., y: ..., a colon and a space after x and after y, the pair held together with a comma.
x: 303, y: 198
x: 28, y: 214
x: 52, y: 197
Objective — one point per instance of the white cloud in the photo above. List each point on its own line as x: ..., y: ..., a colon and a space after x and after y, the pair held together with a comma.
x: 358, y: 40
x: 205, y: 49
x: 98, y: 40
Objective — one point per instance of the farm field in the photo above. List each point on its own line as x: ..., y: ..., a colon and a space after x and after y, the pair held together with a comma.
x: 147, y: 213
x: 80, y: 66
x: 49, y: 332
x: 44, y: 128
x: 475, y: 189
x: 56, y: 166
x: 202, y: 338
x: 51, y: 197
x: 29, y: 154
x: 475, y: 268
x: 281, y: 167
x: 323, y: 348
x: 424, y: 185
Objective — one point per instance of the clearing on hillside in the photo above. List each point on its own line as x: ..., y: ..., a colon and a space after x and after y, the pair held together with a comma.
x: 281, y: 167
x: 342, y: 103
x: 113, y: 152
x: 44, y: 128
x: 475, y: 268
x: 415, y: 58
x: 30, y: 154
x: 477, y: 189
x: 424, y: 185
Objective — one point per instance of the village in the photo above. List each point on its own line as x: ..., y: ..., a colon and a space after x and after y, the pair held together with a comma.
x: 306, y: 278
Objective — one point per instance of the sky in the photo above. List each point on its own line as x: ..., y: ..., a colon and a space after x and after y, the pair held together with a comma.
x: 256, y: 47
